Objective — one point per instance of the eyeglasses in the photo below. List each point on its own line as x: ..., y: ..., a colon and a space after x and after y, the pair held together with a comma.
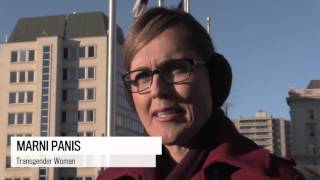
x: 171, y: 71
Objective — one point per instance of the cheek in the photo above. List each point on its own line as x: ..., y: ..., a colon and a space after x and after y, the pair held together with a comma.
x: 142, y: 104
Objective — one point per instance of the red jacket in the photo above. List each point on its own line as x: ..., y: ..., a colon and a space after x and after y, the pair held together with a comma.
x: 227, y: 156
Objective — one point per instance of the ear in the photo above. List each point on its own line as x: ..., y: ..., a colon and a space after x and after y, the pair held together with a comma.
x: 220, y: 76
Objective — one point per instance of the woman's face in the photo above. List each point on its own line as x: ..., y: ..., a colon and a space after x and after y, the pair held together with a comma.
x: 175, y: 112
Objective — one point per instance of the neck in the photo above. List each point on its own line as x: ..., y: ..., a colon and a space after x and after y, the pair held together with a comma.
x: 176, y: 152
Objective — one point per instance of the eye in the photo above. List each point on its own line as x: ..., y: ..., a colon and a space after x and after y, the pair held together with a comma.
x: 140, y: 76
x: 175, y: 67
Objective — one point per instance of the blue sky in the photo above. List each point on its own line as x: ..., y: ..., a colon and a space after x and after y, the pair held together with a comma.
x: 271, y: 45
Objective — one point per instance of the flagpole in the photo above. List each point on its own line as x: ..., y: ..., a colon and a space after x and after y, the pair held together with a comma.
x: 111, y: 67
x: 160, y: 3
x: 209, y: 24
x: 186, y: 6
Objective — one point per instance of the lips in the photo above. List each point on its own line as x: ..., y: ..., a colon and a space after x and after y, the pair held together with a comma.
x: 167, y: 114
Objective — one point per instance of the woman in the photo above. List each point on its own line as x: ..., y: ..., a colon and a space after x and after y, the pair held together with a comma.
x: 177, y: 83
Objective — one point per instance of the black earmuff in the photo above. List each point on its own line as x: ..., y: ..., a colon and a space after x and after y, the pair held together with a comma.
x: 220, y: 76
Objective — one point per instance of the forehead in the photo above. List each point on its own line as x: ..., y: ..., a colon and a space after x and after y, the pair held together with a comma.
x: 171, y: 43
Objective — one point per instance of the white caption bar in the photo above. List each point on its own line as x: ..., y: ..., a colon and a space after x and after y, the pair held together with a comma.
x: 85, y: 151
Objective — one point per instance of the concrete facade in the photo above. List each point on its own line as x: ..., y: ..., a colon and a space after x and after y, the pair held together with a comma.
x: 56, y: 85
x: 268, y: 132
x: 305, y: 114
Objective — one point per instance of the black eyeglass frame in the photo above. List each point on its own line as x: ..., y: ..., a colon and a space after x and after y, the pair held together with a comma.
x: 192, y: 63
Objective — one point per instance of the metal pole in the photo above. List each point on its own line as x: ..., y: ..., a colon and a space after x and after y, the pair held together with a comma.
x: 186, y: 6
x: 208, y: 24
x: 111, y: 67
x: 160, y: 3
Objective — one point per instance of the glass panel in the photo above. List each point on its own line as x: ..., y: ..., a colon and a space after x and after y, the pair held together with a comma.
x: 80, y: 116
x: 14, y: 56
x: 20, y: 118
x: 11, y: 118
x: 12, y: 97
x: 45, y: 77
x: 72, y: 73
x: 13, y: 77
x: 81, y: 94
x: 29, y: 96
x: 65, y: 74
x: 64, y: 95
x: 46, y: 63
x: 21, y: 97
x: 29, y: 118
x: 82, y: 52
x: 64, y: 116
x: 73, y: 53
x: 44, y: 127
x: 91, y: 72
x: 90, y: 115
x: 30, y: 76
x: 45, y: 91
x: 31, y: 55
x: 46, y: 56
x: 91, y: 51
x: 9, y: 139
x: 81, y: 73
x: 45, y: 70
x: 90, y: 94
x: 45, y: 84
x: 22, y: 77
x: 44, y: 98
x: 65, y: 53
x: 22, y: 56
x: 44, y: 113
x: 89, y: 133
x: 46, y: 49
x: 8, y: 161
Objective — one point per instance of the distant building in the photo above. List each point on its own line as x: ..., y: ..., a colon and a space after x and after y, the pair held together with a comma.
x: 305, y: 114
x: 268, y: 132
x: 53, y: 73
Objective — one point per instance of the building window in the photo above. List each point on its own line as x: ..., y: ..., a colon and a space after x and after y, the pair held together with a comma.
x: 90, y: 115
x: 82, y: 52
x: 91, y: 51
x: 29, y: 96
x: 311, y: 114
x: 73, y: 53
x: 22, y: 56
x: 22, y: 77
x: 29, y: 118
x: 81, y: 73
x: 30, y: 76
x: 80, y: 116
x: 21, y: 97
x: 81, y: 94
x: 14, y: 56
x: 9, y: 140
x: 11, y: 118
x: 8, y: 162
x: 69, y: 74
x: 90, y: 93
x: 12, y: 97
x: 13, y: 77
x: 90, y: 72
x: 64, y: 116
x: 65, y: 53
x: 20, y: 118
x: 31, y: 55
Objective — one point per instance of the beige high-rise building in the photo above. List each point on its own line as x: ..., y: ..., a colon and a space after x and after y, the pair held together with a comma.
x: 268, y: 132
x: 53, y: 73
x: 305, y: 114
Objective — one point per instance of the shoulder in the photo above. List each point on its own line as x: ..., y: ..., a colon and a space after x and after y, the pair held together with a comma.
x: 248, y: 161
x: 121, y: 174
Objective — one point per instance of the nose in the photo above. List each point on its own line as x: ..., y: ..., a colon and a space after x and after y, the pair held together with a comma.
x: 159, y: 88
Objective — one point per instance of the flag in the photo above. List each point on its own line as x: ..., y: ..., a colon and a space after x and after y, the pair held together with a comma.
x: 180, y: 6
x: 139, y: 7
